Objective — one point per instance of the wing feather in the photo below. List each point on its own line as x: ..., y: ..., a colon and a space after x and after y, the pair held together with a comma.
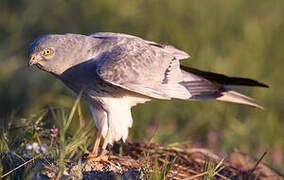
x: 143, y: 68
x: 166, y: 48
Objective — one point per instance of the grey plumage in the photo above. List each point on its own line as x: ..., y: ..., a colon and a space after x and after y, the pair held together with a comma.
x: 117, y: 71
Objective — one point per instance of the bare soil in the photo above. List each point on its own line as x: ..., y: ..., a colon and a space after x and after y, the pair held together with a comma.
x: 137, y: 160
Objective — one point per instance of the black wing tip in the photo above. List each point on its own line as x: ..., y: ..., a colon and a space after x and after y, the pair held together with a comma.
x: 223, y: 79
x: 263, y: 85
x: 249, y: 82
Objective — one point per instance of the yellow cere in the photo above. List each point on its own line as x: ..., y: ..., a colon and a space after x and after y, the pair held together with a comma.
x: 47, y: 52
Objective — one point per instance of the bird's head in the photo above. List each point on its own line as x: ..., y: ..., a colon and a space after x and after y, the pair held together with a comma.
x: 56, y: 53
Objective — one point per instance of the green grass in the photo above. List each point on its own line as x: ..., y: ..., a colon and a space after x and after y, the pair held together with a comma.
x: 211, y: 169
x: 236, y: 37
x: 55, y: 147
x: 60, y: 148
x: 158, y: 171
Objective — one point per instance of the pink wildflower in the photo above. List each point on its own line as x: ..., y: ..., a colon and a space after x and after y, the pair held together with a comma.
x: 36, y: 126
x: 54, y: 132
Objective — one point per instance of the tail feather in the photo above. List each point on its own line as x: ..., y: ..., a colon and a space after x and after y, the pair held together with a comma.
x: 235, y: 97
x: 204, y: 85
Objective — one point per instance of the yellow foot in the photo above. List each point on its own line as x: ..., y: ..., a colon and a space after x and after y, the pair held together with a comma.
x: 97, y: 158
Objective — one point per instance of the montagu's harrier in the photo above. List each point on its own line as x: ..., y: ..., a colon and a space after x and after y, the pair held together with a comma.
x: 116, y: 71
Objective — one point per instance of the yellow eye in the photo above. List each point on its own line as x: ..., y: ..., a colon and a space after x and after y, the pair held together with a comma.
x: 47, y: 52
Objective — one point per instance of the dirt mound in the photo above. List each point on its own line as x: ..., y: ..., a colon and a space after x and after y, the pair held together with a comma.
x: 133, y: 160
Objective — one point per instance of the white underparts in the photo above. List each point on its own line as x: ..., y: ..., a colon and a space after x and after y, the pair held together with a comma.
x: 118, y: 112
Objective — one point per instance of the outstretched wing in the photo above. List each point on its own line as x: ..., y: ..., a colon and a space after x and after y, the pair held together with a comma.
x: 143, y: 67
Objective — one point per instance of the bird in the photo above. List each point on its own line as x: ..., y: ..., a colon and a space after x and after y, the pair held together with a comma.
x: 113, y: 72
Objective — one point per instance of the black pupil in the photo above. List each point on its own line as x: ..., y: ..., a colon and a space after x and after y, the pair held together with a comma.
x: 47, y: 51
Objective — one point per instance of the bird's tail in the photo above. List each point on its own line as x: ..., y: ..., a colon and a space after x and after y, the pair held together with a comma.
x: 204, y: 85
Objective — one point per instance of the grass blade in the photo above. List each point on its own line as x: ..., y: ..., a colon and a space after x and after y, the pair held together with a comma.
x: 72, y: 112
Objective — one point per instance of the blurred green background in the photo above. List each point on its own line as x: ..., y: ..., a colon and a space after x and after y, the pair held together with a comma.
x: 236, y: 37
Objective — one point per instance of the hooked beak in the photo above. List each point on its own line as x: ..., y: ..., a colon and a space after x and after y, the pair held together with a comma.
x: 33, y: 60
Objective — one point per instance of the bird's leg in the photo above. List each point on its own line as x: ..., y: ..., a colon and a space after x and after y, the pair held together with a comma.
x: 106, y: 141
x: 96, y: 147
x: 100, y: 157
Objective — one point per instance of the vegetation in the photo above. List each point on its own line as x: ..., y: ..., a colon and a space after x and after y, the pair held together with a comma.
x: 53, y: 153
x: 237, y: 37
x: 31, y: 142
